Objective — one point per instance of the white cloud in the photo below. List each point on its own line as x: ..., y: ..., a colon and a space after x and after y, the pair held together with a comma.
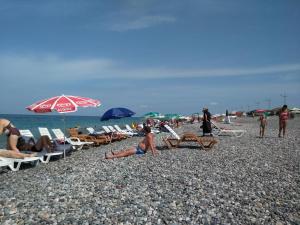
x: 141, y: 23
x: 54, y: 68
x: 51, y: 67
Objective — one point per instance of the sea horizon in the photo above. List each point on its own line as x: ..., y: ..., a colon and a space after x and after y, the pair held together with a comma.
x: 32, y: 122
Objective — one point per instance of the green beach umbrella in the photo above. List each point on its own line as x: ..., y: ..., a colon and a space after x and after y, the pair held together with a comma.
x: 170, y: 116
x: 152, y: 115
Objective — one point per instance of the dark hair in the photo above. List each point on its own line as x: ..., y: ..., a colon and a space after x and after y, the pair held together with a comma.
x: 284, y: 107
x: 147, y: 129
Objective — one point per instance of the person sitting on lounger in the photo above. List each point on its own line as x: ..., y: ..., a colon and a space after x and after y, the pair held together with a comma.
x: 12, y: 134
x: 17, y: 143
x: 142, y: 148
x: 43, y: 142
x: 12, y: 154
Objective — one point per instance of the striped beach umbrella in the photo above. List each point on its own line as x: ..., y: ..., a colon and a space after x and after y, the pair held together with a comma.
x: 62, y: 104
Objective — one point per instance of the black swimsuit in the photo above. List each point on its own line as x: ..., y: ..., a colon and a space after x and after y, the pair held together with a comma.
x: 12, y: 130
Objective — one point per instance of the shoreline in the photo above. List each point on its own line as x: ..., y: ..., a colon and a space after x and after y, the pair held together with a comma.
x: 246, y: 180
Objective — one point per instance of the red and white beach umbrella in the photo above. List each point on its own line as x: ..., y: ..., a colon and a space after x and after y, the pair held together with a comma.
x: 62, y: 104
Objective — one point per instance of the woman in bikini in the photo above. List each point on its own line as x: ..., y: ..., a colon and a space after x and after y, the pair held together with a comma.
x: 17, y: 143
x: 142, y: 148
x: 283, y: 117
x: 12, y: 134
x: 12, y: 138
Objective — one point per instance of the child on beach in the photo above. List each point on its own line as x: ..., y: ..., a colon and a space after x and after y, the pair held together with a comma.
x: 263, y: 122
x: 142, y: 148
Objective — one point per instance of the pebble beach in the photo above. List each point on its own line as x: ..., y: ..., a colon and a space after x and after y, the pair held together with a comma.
x: 246, y: 180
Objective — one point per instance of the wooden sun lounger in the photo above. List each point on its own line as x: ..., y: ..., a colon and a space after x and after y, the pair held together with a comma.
x: 205, y: 142
x: 98, y: 140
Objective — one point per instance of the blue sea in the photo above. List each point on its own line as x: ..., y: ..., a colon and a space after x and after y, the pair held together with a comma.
x: 32, y: 122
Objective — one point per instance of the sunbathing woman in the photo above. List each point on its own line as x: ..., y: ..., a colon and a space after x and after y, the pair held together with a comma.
x: 12, y: 134
x: 43, y: 142
x: 283, y: 117
x: 16, y: 143
x: 142, y: 148
x: 17, y: 155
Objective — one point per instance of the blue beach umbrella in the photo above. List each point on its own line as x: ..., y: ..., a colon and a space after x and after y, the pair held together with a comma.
x: 117, y: 113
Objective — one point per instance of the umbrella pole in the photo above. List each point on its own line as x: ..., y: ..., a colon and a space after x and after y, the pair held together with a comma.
x: 111, y: 135
x: 64, y: 136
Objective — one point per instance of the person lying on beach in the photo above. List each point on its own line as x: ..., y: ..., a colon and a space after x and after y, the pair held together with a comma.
x: 12, y: 154
x: 43, y: 142
x: 142, y: 148
x: 263, y: 122
x: 12, y: 134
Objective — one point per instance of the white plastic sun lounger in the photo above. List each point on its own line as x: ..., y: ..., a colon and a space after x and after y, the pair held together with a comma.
x: 112, y: 129
x: 92, y: 131
x: 107, y: 130
x: 43, y: 156
x: 128, y: 133
x: 221, y: 131
x: 61, y: 146
x: 175, y: 135
x: 15, y: 164
x: 135, y: 132
x: 6, y: 163
x: 114, y: 135
x: 121, y: 134
x: 74, y: 141
x: 45, y: 132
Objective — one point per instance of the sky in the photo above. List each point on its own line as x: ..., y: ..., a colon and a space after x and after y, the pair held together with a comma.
x: 151, y: 55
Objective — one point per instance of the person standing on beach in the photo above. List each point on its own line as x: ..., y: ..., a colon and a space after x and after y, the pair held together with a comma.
x: 206, y: 125
x: 263, y: 122
x: 142, y: 148
x: 227, y: 118
x: 283, y: 117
